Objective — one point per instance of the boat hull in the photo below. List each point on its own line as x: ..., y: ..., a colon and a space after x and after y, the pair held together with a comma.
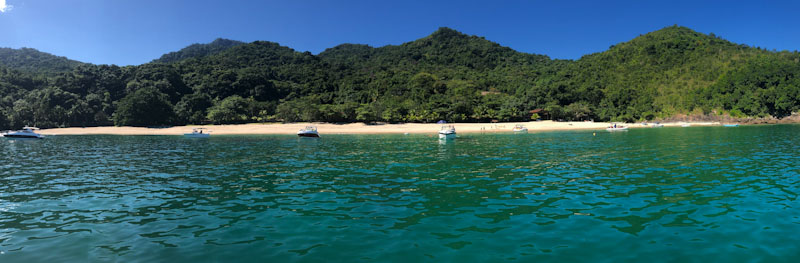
x: 25, y: 133
x: 22, y: 136
x: 308, y: 135
x: 193, y: 135
x: 617, y: 129
x: 447, y: 136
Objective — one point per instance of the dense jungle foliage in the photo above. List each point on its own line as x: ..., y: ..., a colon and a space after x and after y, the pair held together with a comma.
x: 445, y: 76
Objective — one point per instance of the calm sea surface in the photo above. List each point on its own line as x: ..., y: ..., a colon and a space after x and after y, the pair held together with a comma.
x: 698, y: 194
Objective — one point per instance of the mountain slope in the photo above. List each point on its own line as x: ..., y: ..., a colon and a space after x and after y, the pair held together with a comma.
x: 658, y: 74
x: 449, y: 75
x: 32, y: 60
x: 198, y: 50
x: 439, y: 76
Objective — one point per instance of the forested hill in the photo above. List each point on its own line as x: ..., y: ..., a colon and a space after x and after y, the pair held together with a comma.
x: 32, y: 60
x: 446, y: 75
x: 676, y: 70
x: 199, y: 50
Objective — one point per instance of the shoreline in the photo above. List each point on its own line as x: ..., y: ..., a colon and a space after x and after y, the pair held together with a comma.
x: 351, y: 128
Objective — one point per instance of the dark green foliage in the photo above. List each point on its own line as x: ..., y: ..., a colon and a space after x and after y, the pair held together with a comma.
x: 192, y: 108
x: 445, y: 76
x: 762, y: 87
x: 144, y: 107
x: 198, y: 50
x: 34, y: 61
x: 233, y: 109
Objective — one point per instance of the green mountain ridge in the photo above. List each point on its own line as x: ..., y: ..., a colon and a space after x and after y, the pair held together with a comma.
x: 666, y: 70
x: 446, y: 75
x: 198, y: 50
x: 32, y: 60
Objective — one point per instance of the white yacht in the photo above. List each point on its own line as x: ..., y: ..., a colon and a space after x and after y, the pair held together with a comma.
x: 25, y: 133
x: 308, y: 131
x: 616, y: 127
x: 198, y: 133
x: 520, y: 128
x: 447, y: 132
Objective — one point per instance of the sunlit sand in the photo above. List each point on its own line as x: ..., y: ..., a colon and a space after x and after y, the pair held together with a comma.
x: 352, y: 128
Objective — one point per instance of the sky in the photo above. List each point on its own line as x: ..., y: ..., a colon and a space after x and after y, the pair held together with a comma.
x: 132, y: 32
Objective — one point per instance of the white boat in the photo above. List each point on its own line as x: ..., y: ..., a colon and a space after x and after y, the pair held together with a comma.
x: 686, y: 125
x: 198, y: 133
x: 658, y: 125
x: 308, y: 131
x: 519, y: 128
x: 616, y: 127
x: 447, y: 132
x: 25, y: 133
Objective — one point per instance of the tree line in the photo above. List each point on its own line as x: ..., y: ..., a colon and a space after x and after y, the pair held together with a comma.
x: 445, y: 76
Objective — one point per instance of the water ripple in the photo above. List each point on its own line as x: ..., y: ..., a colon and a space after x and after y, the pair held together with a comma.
x: 668, y: 194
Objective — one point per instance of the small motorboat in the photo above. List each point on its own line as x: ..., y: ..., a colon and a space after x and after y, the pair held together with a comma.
x: 731, y: 125
x: 686, y: 125
x: 616, y: 127
x: 447, y: 132
x: 658, y: 125
x: 25, y: 133
x: 198, y: 133
x: 520, y: 128
x: 308, y: 131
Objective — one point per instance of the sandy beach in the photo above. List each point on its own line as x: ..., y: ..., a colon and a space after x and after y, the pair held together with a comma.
x: 351, y: 128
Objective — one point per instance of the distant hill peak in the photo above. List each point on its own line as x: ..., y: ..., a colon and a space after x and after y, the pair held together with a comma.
x: 677, y: 33
x: 225, y: 42
x: 199, y: 50
x: 447, y: 33
x: 32, y: 60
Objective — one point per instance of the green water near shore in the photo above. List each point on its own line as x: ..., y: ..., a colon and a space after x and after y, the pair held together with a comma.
x: 664, y: 195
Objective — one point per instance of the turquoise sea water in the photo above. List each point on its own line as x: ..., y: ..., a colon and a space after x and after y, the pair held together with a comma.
x: 663, y: 195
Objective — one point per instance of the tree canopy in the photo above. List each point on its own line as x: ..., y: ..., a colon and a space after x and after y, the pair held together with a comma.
x: 144, y: 107
x: 447, y: 75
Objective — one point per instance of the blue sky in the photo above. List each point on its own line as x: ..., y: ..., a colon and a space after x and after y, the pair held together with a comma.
x: 127, y: 32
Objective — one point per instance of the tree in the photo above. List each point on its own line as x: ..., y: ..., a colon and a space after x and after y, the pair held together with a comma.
x: 233, y: 109
x: 577, y: 111
x: 193, y: 108
x: 555, y: 111
x: 144, y: 107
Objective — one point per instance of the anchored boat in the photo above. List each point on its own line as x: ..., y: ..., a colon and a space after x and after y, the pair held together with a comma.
x: 447, y: 132
x: 25, y: 133
x: 616, y: 127
x: 520, y: 128
x: 308, y: 131
x: 198, y: 133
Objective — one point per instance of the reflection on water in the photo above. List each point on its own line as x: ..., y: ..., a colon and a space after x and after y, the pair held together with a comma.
x: 670, y: 194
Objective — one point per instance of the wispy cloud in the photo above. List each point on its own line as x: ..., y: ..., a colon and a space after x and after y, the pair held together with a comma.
x: 3, y: 7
